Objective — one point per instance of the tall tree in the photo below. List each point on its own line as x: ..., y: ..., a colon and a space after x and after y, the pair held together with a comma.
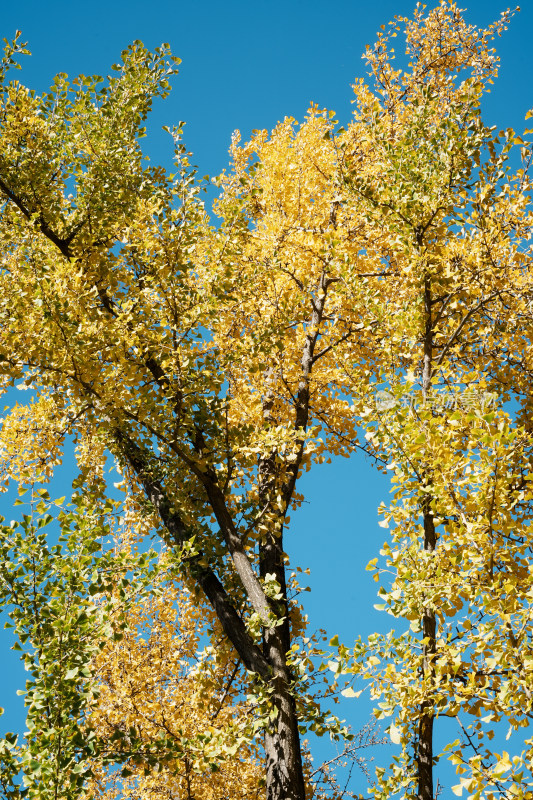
x: 457, y: 283
x: 198, y: 360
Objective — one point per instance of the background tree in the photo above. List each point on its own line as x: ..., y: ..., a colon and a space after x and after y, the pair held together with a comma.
x: 457, y: 219
x: 57, y: 598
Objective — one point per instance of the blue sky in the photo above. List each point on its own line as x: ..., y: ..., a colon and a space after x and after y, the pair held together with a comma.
x: 246, y: 65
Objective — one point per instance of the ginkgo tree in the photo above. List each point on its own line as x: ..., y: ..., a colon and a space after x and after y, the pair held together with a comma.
x: 457, y: 218
x: 216, y: 364
x: 64, y: 594
x: 126, y: 314
x: 445, y: 222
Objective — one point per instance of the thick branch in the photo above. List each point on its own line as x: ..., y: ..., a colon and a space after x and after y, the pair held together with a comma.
x: 61, y: 244
x: 180, y: 534
x: 239, y: 556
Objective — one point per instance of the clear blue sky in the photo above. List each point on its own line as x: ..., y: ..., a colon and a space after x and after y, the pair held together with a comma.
x: 247, y: 65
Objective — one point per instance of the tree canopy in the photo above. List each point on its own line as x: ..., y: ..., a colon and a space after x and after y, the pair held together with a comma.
x: 364, y: 288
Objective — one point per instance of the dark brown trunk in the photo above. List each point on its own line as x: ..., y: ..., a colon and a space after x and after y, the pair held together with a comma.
x: 284, y: 777
x: 284, y: 772
x: 424, y: 754
x: 427, y: 716
x: 282, y: 739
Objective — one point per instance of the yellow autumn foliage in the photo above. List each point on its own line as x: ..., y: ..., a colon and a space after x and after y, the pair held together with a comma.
x: 218, y: 363
x: 164, y: 682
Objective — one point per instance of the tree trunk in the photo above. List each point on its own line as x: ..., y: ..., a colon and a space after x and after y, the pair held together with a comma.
x: 427, y: 716
x: 282, y: 739
x: 424, y: 754
x: 284, y: 774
